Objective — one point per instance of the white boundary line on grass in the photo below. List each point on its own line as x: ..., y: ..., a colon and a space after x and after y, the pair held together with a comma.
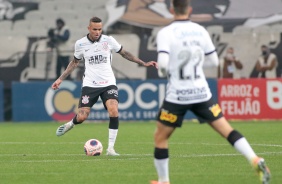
x: 139, y: 157
x: 171, y: 143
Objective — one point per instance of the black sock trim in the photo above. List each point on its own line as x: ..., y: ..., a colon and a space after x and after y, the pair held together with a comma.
x: 233, y: 137
x: 113, y: 123
x: 161, y: 153
x: 74, y: 120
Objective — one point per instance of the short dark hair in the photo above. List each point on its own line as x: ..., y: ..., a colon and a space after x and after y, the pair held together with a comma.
x: 60, y: 21
x: 95, y: 19
x: 180, y: 6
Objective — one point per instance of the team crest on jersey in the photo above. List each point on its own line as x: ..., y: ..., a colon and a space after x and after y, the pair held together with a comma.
x: 105, y: 45
x: 168, y: 116
x: 215, y: 109
x: 85, y: 99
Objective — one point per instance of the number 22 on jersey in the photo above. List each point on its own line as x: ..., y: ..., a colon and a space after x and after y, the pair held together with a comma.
x: 190, y: 62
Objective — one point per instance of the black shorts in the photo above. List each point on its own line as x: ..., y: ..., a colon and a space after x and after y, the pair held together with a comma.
x: 172, y: 114
x: 89, y: 96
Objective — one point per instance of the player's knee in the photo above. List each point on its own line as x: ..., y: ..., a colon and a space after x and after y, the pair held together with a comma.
x: 158, y: 136
x: 112, y: 109
x: 113, y: 112
x: 82, y: 114
x: 80, y: 118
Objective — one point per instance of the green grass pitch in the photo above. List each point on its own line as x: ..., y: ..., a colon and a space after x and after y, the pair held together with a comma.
x: 31, y: 153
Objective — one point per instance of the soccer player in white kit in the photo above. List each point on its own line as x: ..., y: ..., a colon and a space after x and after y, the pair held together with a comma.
x: 99, y: 79
x: 183, y: 48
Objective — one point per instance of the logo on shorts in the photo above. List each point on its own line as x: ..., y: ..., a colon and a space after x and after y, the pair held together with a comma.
x: 215, y: 109
x: 85, y: 99
x: 113, y: 92
x: 168, y: 117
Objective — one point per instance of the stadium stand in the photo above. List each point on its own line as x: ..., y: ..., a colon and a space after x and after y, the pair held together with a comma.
x: 12, y: 56
x: 215, y: 29
x: 245, y: 40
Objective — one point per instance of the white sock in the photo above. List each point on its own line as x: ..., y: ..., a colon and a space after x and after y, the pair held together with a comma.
x: 162, y: 169
x: 112, y: 138
x: 245, y: 149
x: 70, y: 123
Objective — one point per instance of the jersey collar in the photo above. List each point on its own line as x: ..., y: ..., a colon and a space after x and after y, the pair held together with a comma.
x: 95, y: 40
x: 181, y: 20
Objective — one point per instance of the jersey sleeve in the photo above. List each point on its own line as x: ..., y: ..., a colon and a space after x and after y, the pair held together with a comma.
x: 114, y: 44
x: 162, y: 42
x: 78, y: 51
x: 208, y: 46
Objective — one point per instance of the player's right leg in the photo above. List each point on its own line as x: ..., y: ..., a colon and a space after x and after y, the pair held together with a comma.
x: 81, y: 116
x: 262, y: 170
x: 241, y: 145
x: 210, y: 111
x: 88, y: 98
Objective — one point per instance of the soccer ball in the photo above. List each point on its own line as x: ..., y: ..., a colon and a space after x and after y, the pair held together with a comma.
x: 93, y: 147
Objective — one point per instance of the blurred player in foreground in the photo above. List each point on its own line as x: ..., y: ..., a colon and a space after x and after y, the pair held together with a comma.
x: 99, y: 79
x: 183, y: 48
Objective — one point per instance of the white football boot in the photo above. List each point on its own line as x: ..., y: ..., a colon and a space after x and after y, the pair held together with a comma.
x: 64, y: 128
x: 112, y: 152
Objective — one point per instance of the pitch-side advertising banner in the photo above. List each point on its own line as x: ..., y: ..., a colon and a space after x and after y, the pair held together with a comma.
x: 138, y: 100
x: 251, y: 98
x: 1, y: 102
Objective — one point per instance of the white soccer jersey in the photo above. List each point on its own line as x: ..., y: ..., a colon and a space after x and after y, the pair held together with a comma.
x: 187, y: 43
x: 98, y: 60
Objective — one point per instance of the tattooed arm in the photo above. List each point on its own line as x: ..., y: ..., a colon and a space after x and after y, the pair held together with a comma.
x: 127, y: 55
x: 72, y: 65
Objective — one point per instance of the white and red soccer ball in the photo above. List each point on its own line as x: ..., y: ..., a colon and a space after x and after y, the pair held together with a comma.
x: 93, y: 147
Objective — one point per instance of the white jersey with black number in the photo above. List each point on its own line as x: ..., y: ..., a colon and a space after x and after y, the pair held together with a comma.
x: 98, y: 60
x: 187, y: 43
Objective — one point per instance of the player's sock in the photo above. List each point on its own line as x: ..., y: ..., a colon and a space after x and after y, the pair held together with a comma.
x: 70, y: 123
x: 161, y: 163
x: 74, y: 121
x: 113, y: 131
x: 241, y: 144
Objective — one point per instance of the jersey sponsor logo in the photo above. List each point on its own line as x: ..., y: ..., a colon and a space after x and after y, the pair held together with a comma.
x: 215, y: 109
x: 194, y: 91
x: 168, y: 116
x: 86, y: 50
x: 181, y: 34
x: 198, y: 97
x: 98, y: 59
x: 103, y: 82
x: 85, y: 99
x: 191, y: 94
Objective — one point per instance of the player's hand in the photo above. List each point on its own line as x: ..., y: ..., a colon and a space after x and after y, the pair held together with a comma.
x: 56, y: 84
x: 151, y: 63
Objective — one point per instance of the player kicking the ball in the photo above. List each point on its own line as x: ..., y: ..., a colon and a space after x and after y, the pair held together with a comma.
x: 99, y: 79
x: 183, y: 48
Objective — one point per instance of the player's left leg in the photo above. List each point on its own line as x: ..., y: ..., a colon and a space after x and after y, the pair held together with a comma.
x: 169, y: 117
x: 109, y: 97
x: 161, y: 156
x: 241, y: 144
x: 112, y: 107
